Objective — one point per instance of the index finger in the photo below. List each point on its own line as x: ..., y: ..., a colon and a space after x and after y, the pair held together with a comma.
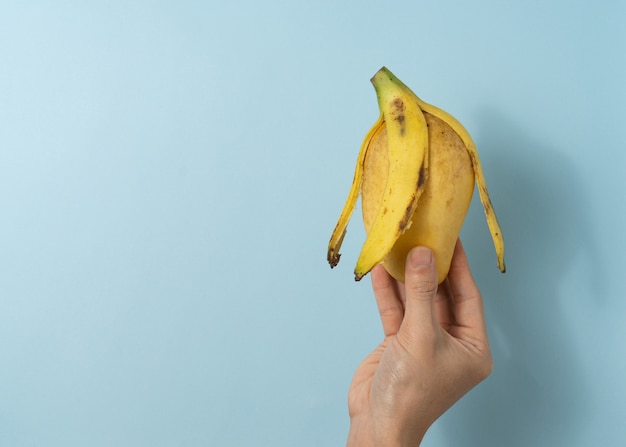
x: 388, y: 300
x: 468, y: 302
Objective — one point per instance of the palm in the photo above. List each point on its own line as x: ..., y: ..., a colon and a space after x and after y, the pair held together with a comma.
x: 358, y: 395
x: 391, y: 297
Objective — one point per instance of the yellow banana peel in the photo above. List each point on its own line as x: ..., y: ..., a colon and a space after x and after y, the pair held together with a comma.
x: 415, y: 173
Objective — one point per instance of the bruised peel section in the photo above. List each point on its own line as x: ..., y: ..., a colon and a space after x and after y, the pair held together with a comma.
x: 340, y: 230
x: 334, y: 255
x: 405, y: 222
x: 421, y: 179
x: 397, y: 114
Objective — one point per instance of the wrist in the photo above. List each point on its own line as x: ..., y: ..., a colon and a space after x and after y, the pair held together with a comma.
x: 361, y: 433
x: 365, y: 433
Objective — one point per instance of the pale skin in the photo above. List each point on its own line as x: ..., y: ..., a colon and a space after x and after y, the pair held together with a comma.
x: 435, y: 349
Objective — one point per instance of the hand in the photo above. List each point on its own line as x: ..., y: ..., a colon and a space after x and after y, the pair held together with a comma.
x: 434, y: 351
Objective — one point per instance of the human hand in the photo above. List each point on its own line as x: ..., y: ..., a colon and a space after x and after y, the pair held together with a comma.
x: 434, y: 351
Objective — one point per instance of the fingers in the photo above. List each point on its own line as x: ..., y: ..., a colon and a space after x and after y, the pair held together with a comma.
x: 468, y: 303
x: 461, y: 282
x: 421, y: 289
x: 388, y: 300
x: 444, y: 305
x: 457, y: 305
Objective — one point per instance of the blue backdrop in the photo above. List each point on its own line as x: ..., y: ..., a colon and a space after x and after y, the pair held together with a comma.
x: 170, y: 173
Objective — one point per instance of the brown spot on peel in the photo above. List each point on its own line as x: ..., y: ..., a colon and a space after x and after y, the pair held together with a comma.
x: 421, y: 178
x: 333, y: 253
x: 408, y: 213
x: 398, y: 114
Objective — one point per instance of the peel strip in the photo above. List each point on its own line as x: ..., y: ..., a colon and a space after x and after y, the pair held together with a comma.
x: 492, y: 220
x: 339, y: 232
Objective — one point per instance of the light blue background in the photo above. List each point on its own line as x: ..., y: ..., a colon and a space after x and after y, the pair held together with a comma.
x: 170, y: 173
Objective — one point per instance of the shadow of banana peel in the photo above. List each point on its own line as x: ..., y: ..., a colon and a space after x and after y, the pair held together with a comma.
x: 536, y: 393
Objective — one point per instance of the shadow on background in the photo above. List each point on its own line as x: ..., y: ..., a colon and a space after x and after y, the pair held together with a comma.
x: 536, y: 394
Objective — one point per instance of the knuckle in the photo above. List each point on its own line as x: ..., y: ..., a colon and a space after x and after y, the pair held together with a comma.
x: 423, y: 286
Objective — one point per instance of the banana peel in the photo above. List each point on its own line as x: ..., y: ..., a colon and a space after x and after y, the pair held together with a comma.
x: 415, y: 173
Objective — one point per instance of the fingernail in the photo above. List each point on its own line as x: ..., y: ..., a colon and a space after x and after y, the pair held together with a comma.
x: 421, y: 256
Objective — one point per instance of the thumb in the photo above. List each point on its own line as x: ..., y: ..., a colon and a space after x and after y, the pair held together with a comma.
x: 421, y: 289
